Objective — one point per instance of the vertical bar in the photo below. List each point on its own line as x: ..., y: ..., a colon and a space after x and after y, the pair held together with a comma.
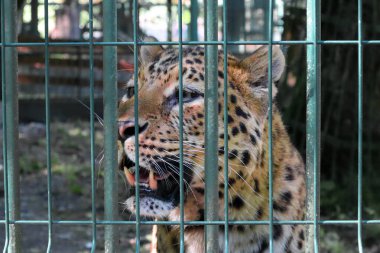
x: 34, y: 17
x: 225, y: 117
x: 360, y: 124
x: 170, y: 19
x: 211, y: 117
x: 180, y: 90
x: 194, y: 12
x: 136, y: 116
x: 313, y: 124
x: 47, y: 124
x: 5, y: 130
x: 110, y: 131
x: 10, y: 96
x: 270, y: 114
x: 92, y: 130
x: 267, y: 6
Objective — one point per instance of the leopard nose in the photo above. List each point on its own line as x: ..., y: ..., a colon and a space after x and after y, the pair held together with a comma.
x: 127, y: 129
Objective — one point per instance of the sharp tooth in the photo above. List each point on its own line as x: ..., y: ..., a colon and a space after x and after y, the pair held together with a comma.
x: 132, y: 169
x: 152, y: 181
x: 130, y: 177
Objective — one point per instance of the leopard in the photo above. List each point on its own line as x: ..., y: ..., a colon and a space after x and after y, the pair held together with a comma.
x: 159, y: 78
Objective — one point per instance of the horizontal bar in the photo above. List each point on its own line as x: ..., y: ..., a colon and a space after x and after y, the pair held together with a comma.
x: 187, y: 43
x: 221, y: 222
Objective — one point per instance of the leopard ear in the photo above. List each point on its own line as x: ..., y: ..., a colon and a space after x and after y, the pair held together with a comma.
x: 257, y: 65
x: 149, y: 52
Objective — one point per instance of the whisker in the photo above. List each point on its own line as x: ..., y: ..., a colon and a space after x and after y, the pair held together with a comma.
x: 173, y: 169
x: 87, y: 107
x: 186, y: 165
x: 237, y: 194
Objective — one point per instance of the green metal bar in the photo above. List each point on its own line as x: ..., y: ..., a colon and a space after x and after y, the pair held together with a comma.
x: 136, y: 115
x: 10, y: 96
x: 225, y: 117
x: 194, y: 12
x: 180, y: 90
x: 360, y: 125
x: 110, y: 131
x: 34, y: 17
x: 47, y: 125
x: 199, y: 223
x: 211, y: 121
x: 185, y: 43
x: 267, y: 6
x: 270, y: 123
x: 313, y: 124
x: 5, y: 130
x: 92, y: 130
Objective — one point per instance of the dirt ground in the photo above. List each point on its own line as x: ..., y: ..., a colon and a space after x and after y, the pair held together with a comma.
x: 71, y: 190
x: 71, y: 195
x: 66, y: 206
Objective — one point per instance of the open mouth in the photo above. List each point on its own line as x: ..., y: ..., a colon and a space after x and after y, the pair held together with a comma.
x: 163, y: 186
x: 147, y: 178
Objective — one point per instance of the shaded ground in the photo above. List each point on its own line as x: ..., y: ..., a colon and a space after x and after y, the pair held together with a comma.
x: 71, y: 195
x: 71, y: 189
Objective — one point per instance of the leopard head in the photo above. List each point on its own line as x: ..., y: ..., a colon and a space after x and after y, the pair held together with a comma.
x: 158, y: 123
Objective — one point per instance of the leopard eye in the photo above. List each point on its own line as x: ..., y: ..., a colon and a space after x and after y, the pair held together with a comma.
x: 130, y: 91
x: 188, y: 95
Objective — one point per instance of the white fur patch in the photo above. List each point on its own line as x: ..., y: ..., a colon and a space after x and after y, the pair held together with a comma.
x: 169, y: 90
x: 150, y: 207
x: 124, y: 99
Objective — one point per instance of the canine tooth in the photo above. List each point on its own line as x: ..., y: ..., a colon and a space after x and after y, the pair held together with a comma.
x: 152, y: 181
x: 129, y: 176
x: 132, y: 169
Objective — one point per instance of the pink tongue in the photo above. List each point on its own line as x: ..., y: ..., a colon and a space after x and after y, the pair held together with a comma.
x: 143, y: 176
x: 143, y: 179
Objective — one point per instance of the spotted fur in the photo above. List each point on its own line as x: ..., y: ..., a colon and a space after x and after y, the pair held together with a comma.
x: 248, y: 152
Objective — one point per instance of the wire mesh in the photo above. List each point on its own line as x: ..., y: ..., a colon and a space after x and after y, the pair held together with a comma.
x: 313, y: 42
